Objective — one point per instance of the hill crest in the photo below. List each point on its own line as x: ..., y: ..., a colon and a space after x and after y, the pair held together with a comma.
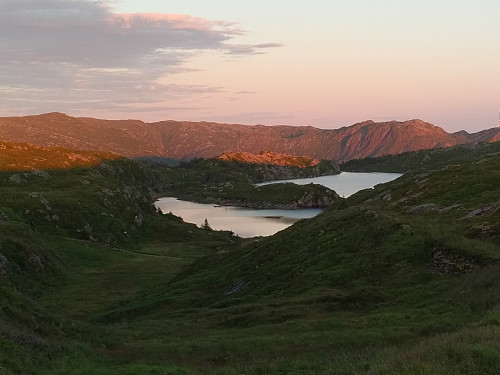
x: 27, y: 157
x: 269, y: 157
x: 183, y: 139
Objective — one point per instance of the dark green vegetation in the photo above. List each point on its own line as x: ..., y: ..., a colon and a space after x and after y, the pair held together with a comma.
x: 73, y: 243
x: 423, y: 159
x: 232, y: 183
x: 401, y: 279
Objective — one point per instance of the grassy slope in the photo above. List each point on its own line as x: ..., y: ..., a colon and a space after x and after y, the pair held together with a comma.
x: 356, y: 290
x: 422, y: 160
x: 73, y: 242
x: 379, y: 284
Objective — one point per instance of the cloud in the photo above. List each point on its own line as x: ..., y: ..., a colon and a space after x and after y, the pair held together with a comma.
x: 80, y: 51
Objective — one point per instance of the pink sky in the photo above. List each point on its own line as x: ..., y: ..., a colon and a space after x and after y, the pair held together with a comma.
x: 281, y: 62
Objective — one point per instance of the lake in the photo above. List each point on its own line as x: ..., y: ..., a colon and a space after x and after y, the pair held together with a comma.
x: 345, y: 183
x: 246, y: 222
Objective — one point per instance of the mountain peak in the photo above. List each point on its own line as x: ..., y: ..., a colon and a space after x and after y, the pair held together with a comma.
x: 418, y: 122
x: 55, y: 114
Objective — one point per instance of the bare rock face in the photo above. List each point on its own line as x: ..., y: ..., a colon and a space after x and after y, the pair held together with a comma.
x: 269, y: 157
x: 175, y: 139
x: 315, y: 200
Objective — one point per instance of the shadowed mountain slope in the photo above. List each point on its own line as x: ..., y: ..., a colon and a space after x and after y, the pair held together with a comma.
x: 174, y: 139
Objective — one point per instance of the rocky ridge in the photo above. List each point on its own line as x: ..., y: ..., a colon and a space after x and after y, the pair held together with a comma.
x: 269, y: 157
x: 177, y: 139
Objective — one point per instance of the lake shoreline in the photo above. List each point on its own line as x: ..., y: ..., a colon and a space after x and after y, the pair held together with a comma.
x: 257, y: 205
x: 246, y: 222
x: 266, y: 218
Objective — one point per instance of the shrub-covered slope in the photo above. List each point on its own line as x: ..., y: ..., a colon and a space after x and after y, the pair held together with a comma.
x: 71, y: 242
x: 423, y: 159
x: 400, y: 279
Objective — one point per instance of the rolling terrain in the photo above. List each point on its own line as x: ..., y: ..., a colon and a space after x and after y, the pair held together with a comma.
x: 174, y: 139
x: 400, y: 279
x: 23, y: 156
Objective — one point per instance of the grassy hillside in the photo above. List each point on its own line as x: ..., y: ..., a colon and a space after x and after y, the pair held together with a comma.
x: 93, y: 234
x: 424, y: 159
x: 400, y: 279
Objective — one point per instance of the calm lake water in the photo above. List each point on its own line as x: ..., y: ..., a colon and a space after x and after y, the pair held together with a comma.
x: 247, y: 222
x: 345, y: 183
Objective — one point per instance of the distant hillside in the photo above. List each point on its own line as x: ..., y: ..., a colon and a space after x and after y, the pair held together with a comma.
x: 23, y: 156
x: 269, y: 157
x: 423, y: 159
x: 174, y: 139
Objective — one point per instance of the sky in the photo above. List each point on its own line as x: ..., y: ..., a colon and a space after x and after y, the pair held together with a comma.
x: 323, y: 63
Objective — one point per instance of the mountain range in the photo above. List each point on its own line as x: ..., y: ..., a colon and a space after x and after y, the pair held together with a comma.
x: 180, y: 139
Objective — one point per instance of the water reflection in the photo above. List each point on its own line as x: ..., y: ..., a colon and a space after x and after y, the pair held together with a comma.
x: 242, y: 221
x: 346, y: 183
x: 250, y: 222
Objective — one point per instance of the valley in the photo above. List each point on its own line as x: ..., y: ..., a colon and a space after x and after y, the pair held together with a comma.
x: 249, y: 188
x: 400, y: 279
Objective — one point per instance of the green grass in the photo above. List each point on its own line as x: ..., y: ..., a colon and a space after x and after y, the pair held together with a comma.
x: 373, y: 285
x: 424, y: 159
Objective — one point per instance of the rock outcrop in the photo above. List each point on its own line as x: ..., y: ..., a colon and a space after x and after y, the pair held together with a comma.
x: 269, y: 157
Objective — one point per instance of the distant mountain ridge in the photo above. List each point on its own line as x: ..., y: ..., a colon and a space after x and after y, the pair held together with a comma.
x: 181, y: 139
x: 269, y: 157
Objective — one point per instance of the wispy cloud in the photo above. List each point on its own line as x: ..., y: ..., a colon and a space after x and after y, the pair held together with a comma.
x: 78, y: 53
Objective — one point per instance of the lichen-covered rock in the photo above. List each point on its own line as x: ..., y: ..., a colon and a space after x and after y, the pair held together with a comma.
x: 448, y: 262
x: 87, y: 231
x: 480, y: 211
x: 4, y: 263
x: 482, y: 231
x: 138, y: 220
x: 41, y: 198
x: 37, y: 261
x: 423, y: 208
x: 40, y: 173
x: 17, y: 178
x: 314, y: 199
